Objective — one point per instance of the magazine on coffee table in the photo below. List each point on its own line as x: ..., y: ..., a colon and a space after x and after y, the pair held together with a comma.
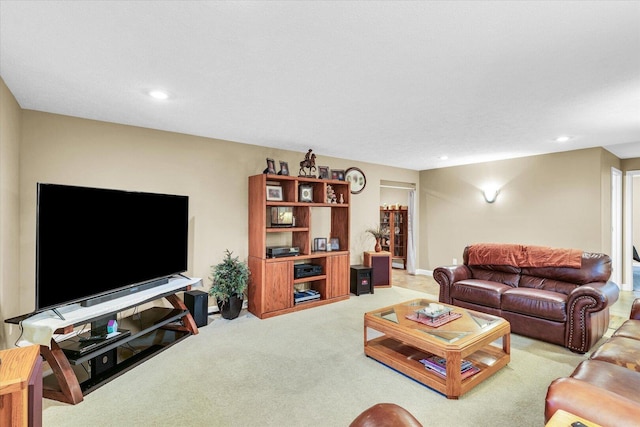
x: 438, y: 365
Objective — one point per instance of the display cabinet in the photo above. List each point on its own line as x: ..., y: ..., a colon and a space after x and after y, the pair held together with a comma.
x: 394, y: 221
x: 275, y: 280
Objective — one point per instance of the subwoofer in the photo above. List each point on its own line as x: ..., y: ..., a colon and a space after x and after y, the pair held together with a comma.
x: 105, y: 361
x: 196, y: 302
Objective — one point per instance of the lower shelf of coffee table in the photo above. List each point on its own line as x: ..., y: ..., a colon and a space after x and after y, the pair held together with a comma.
x: 405, y: 358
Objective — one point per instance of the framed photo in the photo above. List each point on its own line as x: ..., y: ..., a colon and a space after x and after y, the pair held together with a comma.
x: 284, y: 168
x: 305, y: 193
x: 323, y: 172
x: 320, y: 244
x: 334, y: 242
x: 271, y: 167
x: 337, y: 174
x: 274, y: 193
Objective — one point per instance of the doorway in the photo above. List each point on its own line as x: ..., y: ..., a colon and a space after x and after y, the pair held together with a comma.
x: 631, y: 228
x: 616, y: 225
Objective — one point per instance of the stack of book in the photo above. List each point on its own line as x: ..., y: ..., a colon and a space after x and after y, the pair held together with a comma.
x: 438, y: 366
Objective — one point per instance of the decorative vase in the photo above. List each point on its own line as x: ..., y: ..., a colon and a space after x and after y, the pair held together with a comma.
x: 230, y: 309
x: 378, y: 247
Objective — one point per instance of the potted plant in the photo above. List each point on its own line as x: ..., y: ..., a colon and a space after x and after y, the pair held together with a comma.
x: 378, y: 233
x: 229, y: 282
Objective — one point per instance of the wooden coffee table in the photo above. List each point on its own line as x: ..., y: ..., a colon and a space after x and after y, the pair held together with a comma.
x: 391, y: 338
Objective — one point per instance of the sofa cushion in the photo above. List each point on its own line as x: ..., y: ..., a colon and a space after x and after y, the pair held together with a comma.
x: 546, y: 284
x: 610, y: 377
x: 496, y: 273
x: 595, y: 268
x: 536, y: 302
x: 629, y: 329
x: 591, y: 402
x: 620, y: 351
x: 482, y: 292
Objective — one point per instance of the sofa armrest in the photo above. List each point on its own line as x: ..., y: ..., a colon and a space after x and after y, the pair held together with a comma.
x: 582, y: 302
x: 595, y: 296
x: 635, y: 309
x: 447, y: 276
x: 590, y: 402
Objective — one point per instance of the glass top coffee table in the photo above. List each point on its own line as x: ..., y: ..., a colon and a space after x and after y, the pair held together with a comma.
x: 459, y: 354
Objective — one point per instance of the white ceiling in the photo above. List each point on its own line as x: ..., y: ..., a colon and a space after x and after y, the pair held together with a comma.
x: 394, y: 83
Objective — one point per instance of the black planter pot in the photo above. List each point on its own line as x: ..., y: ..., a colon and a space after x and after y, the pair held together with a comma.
x: 230, y: 309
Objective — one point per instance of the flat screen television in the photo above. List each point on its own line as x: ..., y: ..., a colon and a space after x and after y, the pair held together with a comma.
x: 93, y: 242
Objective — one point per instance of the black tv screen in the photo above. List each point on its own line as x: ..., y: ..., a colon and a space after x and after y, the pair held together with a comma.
x: 92, y: 242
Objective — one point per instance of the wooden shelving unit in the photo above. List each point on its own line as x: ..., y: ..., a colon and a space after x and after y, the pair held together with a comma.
x: 395, y: 241
x: 271, y: 290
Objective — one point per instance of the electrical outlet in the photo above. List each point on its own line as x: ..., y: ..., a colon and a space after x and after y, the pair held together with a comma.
x: 455, y: 261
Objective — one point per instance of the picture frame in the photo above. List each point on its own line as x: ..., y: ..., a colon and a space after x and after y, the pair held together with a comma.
x: 334, y: 243
x: 305, y: 193
x: 320, y: 244
x: 337, y: 174
x: 274, y: 193
x: 323, y: 172
x: 284, y: 168
x: 271, y: 166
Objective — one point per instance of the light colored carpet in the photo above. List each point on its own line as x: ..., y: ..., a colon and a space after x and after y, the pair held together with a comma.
x: 306, y: 369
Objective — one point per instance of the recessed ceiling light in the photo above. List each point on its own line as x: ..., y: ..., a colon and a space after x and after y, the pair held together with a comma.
x: 443, y: 157
x: 158, y: 94
x: 562, y: 138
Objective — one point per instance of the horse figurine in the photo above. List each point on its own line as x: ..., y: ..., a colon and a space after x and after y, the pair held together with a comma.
x: 309, y: 162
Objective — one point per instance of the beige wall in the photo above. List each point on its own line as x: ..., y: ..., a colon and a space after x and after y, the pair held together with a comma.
x: 554, y: 200
x: 213, y: 173
x: 10, y: 125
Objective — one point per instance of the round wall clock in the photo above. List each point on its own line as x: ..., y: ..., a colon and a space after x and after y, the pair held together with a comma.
x: 357, y: 179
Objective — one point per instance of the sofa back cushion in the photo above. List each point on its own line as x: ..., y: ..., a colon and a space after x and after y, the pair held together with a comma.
x: 527, y: 281
x: 496, y: 273
x: 596, y: 267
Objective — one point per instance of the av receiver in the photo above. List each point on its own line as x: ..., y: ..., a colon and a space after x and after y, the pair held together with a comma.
x: 280, y: 251
x: 306, y: 270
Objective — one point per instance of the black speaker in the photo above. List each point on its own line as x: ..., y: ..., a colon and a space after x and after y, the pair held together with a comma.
x: 105, y: 361
x: 196, y: 302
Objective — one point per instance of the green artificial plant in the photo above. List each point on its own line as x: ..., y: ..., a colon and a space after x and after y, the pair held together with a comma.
x: 229, y: 278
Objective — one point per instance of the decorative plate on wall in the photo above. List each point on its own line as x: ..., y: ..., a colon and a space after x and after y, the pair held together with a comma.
x: 357, y: 179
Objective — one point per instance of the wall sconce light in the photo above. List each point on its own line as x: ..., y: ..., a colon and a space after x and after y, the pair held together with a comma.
x: 490, y: 194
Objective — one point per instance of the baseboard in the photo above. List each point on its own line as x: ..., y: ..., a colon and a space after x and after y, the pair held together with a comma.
x: 424, y: 272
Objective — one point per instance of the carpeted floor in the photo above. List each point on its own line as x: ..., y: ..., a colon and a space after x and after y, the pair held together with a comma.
x: 306, y: 369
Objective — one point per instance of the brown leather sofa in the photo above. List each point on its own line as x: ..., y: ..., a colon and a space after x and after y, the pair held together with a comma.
x: 561, y: 305
x: 605, y: 388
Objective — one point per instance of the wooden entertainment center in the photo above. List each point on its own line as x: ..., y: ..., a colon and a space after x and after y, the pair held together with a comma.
x: 148, y: 332
x: 271, y: 290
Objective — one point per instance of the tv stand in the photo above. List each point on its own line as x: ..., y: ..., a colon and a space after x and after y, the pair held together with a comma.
x: 150, y: 332
x: 55, y: 310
